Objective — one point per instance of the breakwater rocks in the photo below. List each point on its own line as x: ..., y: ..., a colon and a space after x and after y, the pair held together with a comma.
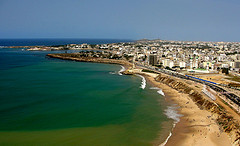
x: 78, y: 57
x: 226, y: 122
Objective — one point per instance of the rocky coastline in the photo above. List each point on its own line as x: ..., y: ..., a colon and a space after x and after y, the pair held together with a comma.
x: 67, y: 56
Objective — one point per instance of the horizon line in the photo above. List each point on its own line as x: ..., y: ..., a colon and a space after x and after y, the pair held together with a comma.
x: 152, y: 39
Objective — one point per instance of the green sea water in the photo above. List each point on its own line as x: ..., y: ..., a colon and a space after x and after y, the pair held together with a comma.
x: 55, y: 102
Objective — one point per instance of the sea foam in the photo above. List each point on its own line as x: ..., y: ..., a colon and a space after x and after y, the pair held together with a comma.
x: 159, y: 90
x: 171, y: 113
x: 112, y: 73
x: 121, y: 70
x: 143, y: 84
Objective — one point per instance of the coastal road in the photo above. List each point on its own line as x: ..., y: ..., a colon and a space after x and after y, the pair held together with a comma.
x: 234, y: 98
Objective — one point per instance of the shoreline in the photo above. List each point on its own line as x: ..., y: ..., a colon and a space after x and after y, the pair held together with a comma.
x: 197, y: 126
x: 182, y: 131
x: 91, y: 59
x: 160, y: 141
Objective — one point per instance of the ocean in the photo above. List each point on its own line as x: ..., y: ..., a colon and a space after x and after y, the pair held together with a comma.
x: 46, y: 101
x: 50, y: 41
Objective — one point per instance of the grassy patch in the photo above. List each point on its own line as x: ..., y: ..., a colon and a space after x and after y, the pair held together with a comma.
x: 233, y: 78
x: 150, y: 71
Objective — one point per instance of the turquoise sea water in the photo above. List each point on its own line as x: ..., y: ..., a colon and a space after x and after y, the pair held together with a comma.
x: 53, y: 102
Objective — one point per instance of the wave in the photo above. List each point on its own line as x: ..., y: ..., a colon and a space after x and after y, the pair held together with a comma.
x: 143, y: 84
x: 159, y: 90
x: 121, y: 70
x: 171, y: 113
x: 112, y: 73
x: 154, y: 88
x: 170, y: 134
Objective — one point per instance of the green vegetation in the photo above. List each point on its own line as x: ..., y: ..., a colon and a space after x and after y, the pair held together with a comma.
x: 232, y: 53
x: 158, y: 65
x: 93, y: 45
x: 225, y: 70
x: 168, y: 68
x: 127, y: 57
x: 150, y: 71
x: 126, y: 44
x: 200, y: 69
x: 227, y: 104
x: 139, y: 46
x: 58, y: 46
x: 91, y: 54
x: 233, y: 78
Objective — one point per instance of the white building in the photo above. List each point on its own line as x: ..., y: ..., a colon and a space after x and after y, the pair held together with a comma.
x: 232, y: 64
x: 225, y: 65
x: 171, y: 64
x: 168, y: 62
x: 182, y: 64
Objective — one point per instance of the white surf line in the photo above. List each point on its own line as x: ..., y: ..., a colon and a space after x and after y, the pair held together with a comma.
x: 156, y: 88
x: 159, y: 90
x: 112, y: 73
x: 170, y: 134
x: 121, y: 70
x: 171, y: 113
x: 143, y: 84
x: 165, y: 142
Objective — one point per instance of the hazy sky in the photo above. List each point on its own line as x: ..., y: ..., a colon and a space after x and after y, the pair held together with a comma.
x: 206, y: 20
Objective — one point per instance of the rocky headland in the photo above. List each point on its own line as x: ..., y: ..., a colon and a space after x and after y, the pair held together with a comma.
x: 77, y: 57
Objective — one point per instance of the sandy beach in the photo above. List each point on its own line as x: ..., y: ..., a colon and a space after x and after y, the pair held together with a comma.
x: 196, y: 127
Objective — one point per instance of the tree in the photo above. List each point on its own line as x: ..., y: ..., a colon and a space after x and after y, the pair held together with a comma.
x: 93, y: 45
x: 225, y: 70
x: 159, y: 65
x: 168, y: 68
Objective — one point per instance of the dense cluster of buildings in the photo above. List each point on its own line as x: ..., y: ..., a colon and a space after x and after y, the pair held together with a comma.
x: 184, y: 56
x: 194, y: 56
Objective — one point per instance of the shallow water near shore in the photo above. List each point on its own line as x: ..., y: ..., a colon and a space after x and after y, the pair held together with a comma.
x: 49, y: 101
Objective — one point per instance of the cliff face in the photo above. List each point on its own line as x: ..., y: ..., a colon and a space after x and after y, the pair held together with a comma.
x: 225, y: 121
